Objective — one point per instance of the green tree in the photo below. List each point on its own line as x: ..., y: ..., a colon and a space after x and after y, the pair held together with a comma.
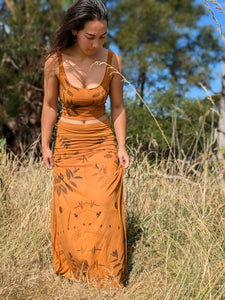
x: 26, y: 27
x: 165, y: 53
x: 163, y: 46
x: 189, y: 130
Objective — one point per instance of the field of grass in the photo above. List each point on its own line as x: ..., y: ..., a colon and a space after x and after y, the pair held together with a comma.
x: 175, y: 224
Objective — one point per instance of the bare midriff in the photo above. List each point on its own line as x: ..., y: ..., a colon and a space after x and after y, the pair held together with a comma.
x: 92, y: 121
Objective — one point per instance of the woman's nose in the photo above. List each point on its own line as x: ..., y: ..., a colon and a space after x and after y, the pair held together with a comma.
x: 95, y: 44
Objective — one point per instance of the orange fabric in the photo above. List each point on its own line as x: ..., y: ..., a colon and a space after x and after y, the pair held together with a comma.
x: 88, y: 222
x: 82, y: 103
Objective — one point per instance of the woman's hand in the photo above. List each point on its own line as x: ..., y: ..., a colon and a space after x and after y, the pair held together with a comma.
x: 123, y: 157
x: 48, y: 158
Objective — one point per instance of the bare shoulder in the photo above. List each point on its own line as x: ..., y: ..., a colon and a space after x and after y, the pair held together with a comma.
x: 116, y: 62
x: 51, y: 65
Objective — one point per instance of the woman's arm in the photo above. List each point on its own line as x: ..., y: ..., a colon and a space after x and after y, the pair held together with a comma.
x: 49, y: 110
x: 118, y: 111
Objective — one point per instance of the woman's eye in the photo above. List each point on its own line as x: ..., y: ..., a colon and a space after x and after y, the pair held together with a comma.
x: 101, y: 38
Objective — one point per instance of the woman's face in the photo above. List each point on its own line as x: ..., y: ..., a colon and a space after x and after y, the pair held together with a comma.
x: 91, y: 37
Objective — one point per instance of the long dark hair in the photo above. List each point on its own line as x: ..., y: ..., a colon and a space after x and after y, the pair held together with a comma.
x: 76, y: 16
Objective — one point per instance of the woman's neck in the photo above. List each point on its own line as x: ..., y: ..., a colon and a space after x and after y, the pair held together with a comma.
x: 80, y: 55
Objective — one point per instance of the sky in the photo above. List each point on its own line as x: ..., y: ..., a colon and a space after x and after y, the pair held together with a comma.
x: 207, y: 20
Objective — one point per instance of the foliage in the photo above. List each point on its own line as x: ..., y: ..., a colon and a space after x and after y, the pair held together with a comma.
x: 164, y: 50
x: 25, y: 32
x: 163, y: 46
x: 188, y: 128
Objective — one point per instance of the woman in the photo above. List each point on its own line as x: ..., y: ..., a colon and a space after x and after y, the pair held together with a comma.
x: 88, y: 224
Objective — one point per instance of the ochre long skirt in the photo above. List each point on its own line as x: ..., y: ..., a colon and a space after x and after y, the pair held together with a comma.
x: 88, y: 222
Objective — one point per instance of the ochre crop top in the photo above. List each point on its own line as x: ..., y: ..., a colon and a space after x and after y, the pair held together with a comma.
x: 83, y: 103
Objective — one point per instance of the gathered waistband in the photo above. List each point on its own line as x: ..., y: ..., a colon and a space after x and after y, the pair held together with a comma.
x: 92, y: 121
x: 84, y: 127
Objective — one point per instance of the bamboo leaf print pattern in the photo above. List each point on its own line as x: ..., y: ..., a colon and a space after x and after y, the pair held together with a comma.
x: 119, y: 262
x: 88, y: 228
x: 65, y: 142
x: 62, y: 186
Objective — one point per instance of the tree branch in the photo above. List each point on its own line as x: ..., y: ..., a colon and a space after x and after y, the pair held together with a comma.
x: 6, y: 59
x: 10, y: 5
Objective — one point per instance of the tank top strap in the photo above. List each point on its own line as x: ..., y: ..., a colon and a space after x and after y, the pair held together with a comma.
x: 60, y: 62
x: 110, y: 55
x: 109, y: 68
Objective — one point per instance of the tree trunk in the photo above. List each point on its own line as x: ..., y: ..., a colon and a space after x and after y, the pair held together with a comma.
x: 221, y: 127
x: 22, y: 132
x: 141, y: 84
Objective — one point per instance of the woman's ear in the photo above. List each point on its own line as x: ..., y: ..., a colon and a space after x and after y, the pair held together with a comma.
x: 74, y: 31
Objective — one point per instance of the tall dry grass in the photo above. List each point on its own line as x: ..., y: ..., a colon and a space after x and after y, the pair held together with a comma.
x: 175, y: 219
x: 175, y: 225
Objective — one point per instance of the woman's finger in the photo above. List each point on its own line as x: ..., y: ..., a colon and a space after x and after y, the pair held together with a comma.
x: 48, y: 160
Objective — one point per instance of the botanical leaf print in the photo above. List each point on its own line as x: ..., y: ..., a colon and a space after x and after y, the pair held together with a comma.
x: 75, y: 88
x: 66, y: 111
x: 101, y: 171
x: 76, y: 170
x: 82, y: 250
x: 60, y: 188
x: 85, y: 158
x: 68, y: 222
x: 92, y: 204
x: 74, y: 110
x: 95, y: 95
x: 101, y: 140
x: 117, y: 265
x: 67, y: 157
x: 69, y: 187
x: 94, y: 250
x: 88, y: 221
x: 70, y: 102
x: 67, y: 82
x: 115, y: 254
x: 81, y: 205
x: 73, y: 183
x: 98, y: 214
x: 69, y: 174
x: 118, y: 262
x: 69, y: 93
x: 66, y: 183
x: 61, y: 177
x: 65, y: 142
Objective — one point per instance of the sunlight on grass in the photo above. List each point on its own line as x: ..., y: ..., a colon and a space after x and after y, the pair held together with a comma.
x: 175, y: 227
x: 175, y: 220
